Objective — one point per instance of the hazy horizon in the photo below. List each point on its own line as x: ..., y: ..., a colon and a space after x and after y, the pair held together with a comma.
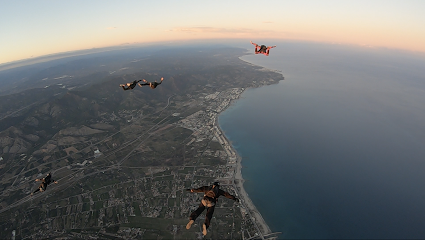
x: 58, y: 27
x: 241, y: 43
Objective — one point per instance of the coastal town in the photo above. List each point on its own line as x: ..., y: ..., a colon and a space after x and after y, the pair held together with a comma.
x: 126, y: 175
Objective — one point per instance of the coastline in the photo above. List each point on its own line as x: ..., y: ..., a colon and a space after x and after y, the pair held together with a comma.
x: 238, y: 181
x: 262, y: 69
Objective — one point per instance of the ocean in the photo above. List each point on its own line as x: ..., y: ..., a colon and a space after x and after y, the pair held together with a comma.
x: 337, y: 149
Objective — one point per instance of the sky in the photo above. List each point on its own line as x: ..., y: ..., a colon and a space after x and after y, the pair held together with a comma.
x: 40, y: 27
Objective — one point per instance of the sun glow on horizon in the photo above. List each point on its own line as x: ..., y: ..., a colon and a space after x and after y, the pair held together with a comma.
x: 74, y: 26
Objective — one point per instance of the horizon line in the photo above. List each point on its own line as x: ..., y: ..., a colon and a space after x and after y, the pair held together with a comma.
x: 72, y: 53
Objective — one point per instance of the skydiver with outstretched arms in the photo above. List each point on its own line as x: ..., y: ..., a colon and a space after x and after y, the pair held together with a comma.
x: 129, y: 86
x: 262, y: 49
x: 153, y: 85
x: 208, y: 201
x: 44, y: 182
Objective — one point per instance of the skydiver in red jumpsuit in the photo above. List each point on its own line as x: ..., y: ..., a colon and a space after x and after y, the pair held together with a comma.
x: 262, y: 49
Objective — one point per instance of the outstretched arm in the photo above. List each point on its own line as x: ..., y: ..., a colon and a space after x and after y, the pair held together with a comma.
x: 201, y: 189
x: 228, y: 195
x: 253, y: 43
x: 124, y: 87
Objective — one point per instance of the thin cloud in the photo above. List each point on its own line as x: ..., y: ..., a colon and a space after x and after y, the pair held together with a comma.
x: 111, y: 28
x: 218, y: 30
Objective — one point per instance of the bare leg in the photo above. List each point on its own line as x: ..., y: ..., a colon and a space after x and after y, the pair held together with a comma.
x: 189, y: 224
x: 204, y: 229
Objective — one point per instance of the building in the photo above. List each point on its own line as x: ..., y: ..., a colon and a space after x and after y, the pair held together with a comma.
x: 97, y: 153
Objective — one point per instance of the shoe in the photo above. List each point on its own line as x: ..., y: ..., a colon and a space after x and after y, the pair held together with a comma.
x: 189, y: 224
x: 204, y: 229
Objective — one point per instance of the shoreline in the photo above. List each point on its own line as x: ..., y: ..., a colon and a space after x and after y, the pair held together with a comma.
x: 262, y: 68
x: 238, y: 180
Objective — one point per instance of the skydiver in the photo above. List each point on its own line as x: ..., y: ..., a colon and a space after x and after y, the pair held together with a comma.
x: 262, y: 49
x: 210, y: 199
x: 44, y: 182
x: 153, y: 85
x: 129, y: 86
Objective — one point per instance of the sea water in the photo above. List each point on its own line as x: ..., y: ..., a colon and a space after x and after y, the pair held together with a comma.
x: 337, y: 149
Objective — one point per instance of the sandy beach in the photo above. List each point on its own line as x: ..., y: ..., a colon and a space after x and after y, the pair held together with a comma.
x: 245, y: 201
x: 238, y: 180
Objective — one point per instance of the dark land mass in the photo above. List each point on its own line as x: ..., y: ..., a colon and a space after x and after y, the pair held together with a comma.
x: 122, y: 158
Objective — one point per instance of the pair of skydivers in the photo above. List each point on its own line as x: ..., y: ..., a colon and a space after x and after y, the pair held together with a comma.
x: 129, y: 86
x: 44, y: 183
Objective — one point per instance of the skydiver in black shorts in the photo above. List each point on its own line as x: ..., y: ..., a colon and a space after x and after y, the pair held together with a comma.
x: 211, y: 195
x: 44, y: 182
x: 129, y: 86
x: 153, y: 85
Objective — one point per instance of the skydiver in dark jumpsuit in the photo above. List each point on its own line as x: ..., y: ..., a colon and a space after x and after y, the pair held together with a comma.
x: 129, y: 86
x: 44, y: 182
x: 153, y: 85
x: 262, y: 49
x: 210, y: 199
